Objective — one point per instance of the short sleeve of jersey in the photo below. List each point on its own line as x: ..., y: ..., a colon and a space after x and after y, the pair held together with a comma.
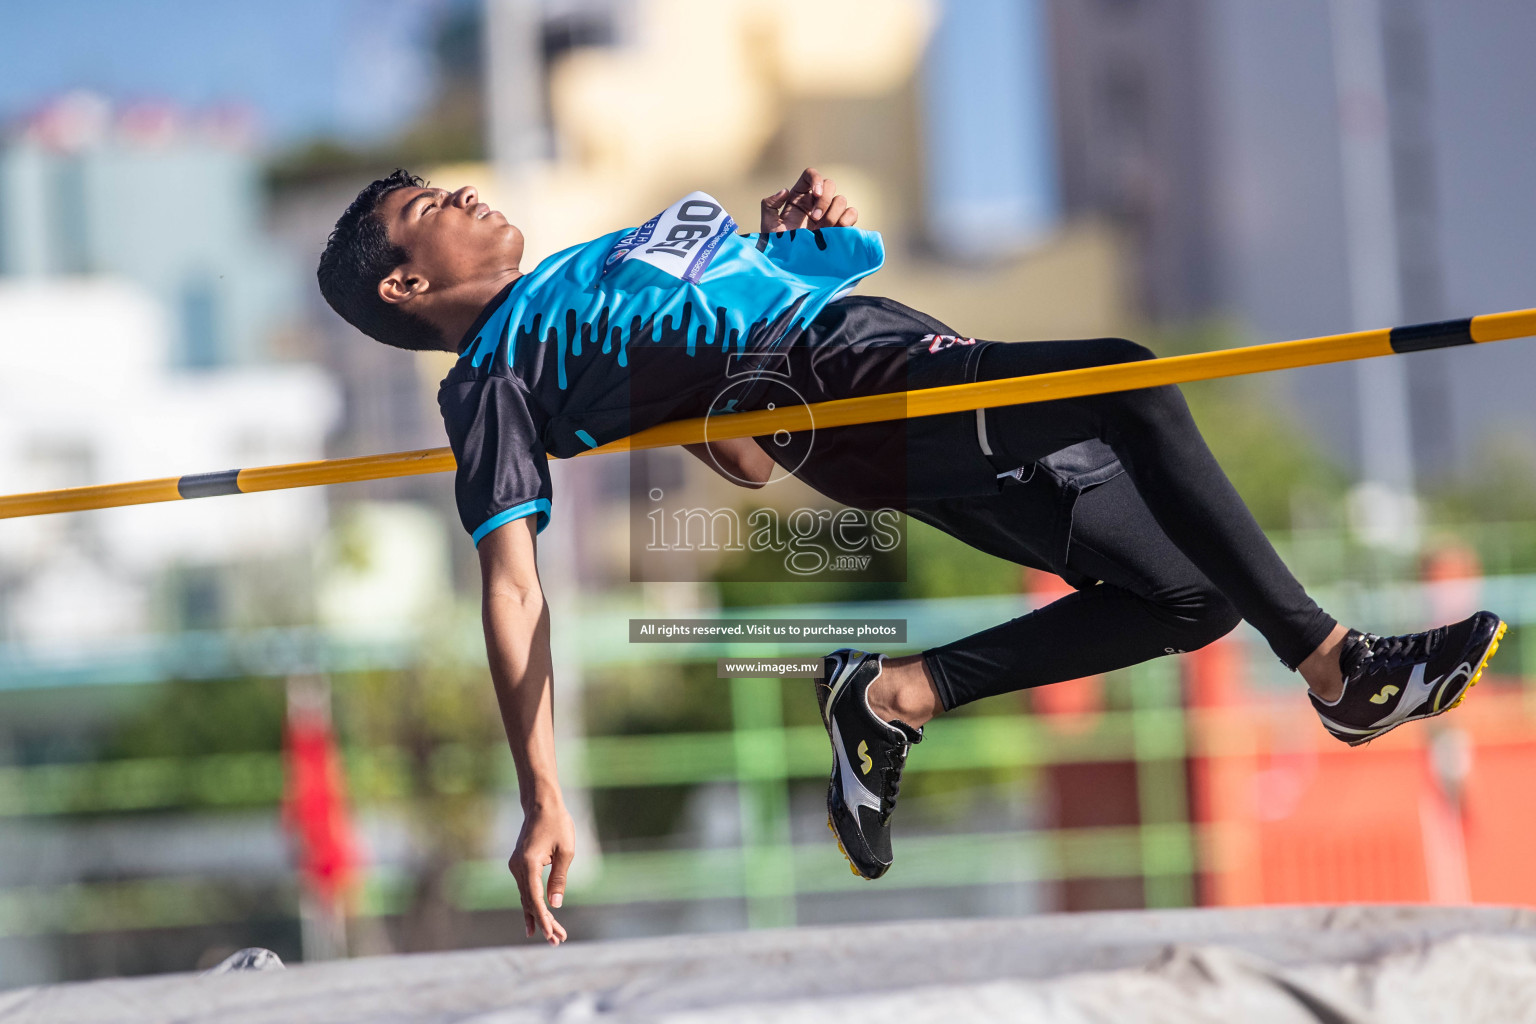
x: 503, y: 471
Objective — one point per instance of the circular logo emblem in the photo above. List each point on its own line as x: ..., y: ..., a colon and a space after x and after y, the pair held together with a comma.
x: 775, y: 394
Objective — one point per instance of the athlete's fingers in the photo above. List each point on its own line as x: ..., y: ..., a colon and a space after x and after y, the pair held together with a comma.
x: 806, y: 191
x: 771, y: 217
x: 849, y: 219
x: 533, y: 866
x: 528, y: 873
x: 834, y: 215
x: 555, y: 890
x: 808, y: 184
x: 824, y: 201
x: 554, y: 931
x: 793, y: 217
x: 514, y: 865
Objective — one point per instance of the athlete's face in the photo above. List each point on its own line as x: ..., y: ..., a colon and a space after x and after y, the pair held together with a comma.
x: 453, y: 238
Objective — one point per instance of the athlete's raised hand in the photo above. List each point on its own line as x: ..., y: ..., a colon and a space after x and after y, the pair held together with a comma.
x: 811, y: 202
x: 548, y: 839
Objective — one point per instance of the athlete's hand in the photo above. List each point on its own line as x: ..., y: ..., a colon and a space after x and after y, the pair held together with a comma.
x: 811, y: 202
x: 548, y: 839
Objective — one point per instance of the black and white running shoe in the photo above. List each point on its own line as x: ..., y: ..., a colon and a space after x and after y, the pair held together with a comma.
x: 867, y: 758
x: 1395, y: 679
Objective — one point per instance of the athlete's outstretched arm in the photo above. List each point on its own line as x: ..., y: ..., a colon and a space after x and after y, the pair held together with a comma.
x: 516, y: 620
x: 739, y: 460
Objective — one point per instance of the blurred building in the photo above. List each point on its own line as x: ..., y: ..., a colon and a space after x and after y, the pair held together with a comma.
x: 90, y: 395
x: 1210, y: 132
x: 990, y: 150
x: 1204, y: 136
x: 141, y: 304
x: 1132, y: 112
x: 951, y: 157
x: 139, y: 297
x: 160, y: 197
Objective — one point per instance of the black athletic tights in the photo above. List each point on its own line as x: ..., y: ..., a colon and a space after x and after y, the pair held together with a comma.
x: 1178, y: 554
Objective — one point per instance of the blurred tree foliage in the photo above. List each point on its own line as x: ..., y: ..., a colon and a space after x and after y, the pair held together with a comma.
x: 1278, y: 467
x: 452, y: 128
x: 194, y: 718
x: 1498, y: 487
x: 645, y: 700
x: 442, y: 713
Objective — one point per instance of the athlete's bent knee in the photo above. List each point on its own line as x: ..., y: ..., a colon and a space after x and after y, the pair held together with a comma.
x: 1215, y: 619
x: 1196, y: 616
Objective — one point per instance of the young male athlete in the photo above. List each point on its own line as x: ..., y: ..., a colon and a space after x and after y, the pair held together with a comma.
x: 1116, y: 493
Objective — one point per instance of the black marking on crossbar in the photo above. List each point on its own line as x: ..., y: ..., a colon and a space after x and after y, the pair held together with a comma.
x: 1422, y: 337
x: 209, y: 485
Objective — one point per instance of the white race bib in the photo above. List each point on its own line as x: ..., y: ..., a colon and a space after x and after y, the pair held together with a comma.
x: 680, y: 240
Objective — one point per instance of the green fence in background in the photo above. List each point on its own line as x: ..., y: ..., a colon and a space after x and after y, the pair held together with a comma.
x: 760, y: 755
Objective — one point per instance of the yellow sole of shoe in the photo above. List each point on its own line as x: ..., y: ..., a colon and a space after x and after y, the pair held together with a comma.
x: 1493, y: 649
x: 1477, y: 674
x: 840, y: 849
x: 830, y: 828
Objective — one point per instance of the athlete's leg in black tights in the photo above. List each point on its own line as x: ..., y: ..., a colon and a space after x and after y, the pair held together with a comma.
x: 1156, y: 439
x: 1151, y: 600
x: 1184, y: 492
x: 868, y: 345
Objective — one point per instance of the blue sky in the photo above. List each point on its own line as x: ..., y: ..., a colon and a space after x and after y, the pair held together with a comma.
x: 351, y: 67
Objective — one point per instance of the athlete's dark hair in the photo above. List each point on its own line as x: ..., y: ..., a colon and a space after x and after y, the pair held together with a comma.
x: 359, y: 255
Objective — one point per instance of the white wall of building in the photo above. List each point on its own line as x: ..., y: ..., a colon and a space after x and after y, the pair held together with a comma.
x: 87, y: 395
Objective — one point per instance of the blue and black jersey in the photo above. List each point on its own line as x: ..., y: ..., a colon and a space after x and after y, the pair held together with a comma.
x: 629, y: 330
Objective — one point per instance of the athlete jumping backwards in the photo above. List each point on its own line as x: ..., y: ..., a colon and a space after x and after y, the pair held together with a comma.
x: 1116, y: 493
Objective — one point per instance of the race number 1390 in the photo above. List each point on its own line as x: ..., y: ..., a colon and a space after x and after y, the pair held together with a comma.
x: 681, y: 240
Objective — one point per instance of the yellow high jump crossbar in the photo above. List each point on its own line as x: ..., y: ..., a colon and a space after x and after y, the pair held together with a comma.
x: 841, y: 412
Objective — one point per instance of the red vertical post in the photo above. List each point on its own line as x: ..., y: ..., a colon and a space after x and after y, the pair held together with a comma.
x: 315, y: 815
